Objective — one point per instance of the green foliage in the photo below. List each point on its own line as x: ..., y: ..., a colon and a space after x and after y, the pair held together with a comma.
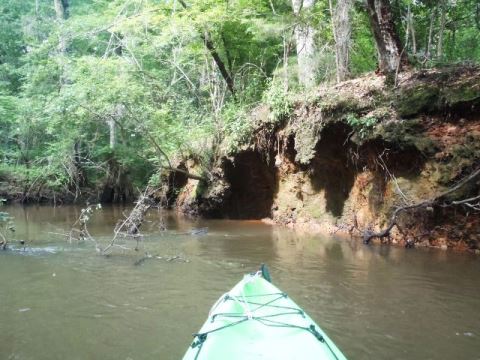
x: 363, y: 56
x: 155, y: 180
x: 363, y: 126
x: 144, y: 67
x: 279, y: 101
x: 238, y: 128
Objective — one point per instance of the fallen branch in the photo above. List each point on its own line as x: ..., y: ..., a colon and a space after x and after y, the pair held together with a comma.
x: 79, y: 230
x: 369, y: 235
x: 160, y: 151
x: 167, y: 258
x: 150, y: 138
x: 186, y: 173
x: 392, y: 177
x: 6, y: 225
x: 3, y: 242
x: 468, y: 202
x: 132, y: 223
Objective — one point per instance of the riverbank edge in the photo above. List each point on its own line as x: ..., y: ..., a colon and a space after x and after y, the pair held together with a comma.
x: 345, y: 156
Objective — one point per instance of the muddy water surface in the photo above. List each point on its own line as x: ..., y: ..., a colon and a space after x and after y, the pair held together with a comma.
x: 64, y: 301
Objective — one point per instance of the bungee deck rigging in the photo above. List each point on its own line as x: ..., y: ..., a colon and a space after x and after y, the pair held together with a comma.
x: 256, y: 320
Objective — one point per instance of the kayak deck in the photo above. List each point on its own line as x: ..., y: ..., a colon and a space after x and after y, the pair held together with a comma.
x: 255, y: 320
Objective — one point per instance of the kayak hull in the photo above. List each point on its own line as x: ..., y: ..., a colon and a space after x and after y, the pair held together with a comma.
x: 255, y: 320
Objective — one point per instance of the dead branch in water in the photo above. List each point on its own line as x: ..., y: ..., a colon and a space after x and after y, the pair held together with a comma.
x: 167, y: 258
x: 6, y: 225
x: 130, y: 226
x: 3, y: 242
x: 79, y: 230
x: 437, y: 200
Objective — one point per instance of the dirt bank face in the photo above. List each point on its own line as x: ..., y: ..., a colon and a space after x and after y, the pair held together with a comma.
x: 348, y: 157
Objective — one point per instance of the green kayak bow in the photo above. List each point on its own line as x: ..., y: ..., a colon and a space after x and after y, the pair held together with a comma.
x: 255, y: 320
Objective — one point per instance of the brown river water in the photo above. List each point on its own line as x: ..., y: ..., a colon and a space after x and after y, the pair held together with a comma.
x: 61, y: 300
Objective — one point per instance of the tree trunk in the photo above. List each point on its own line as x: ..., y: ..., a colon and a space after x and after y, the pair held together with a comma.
x: 442, y: 29
x: 111, y: 126
x: 407, y: 34
x: 79, y: 173
x: 430, y: 34
x: 477, y: 16
x: 286, y: 51
x: 112, y: 121
x: 390, y: 54
x: 218, y: 61
x: 61, y: 9
x: 341, y: 27
x: 306, y: 51
x: 216, y: 57
x: 412, y: 31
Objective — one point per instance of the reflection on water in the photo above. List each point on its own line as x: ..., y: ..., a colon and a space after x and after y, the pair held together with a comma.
x: 60, y: 300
